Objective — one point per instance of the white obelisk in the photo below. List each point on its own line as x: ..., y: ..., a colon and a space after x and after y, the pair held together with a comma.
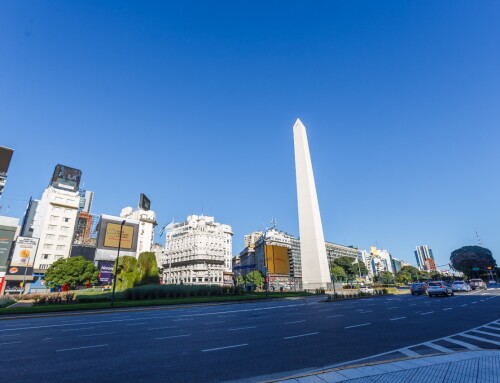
x: 315, y: 273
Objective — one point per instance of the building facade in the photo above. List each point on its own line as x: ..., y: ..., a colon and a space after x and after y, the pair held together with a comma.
x: 86, y: 199
x: 422, y: 253
x: 198, y: 252
x: 147, y: 219
x: 5, y: 158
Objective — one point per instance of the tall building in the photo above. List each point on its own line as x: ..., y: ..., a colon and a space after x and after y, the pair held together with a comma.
x: 381, y: 260
x: 198, y: 252
x: 29, y: 218
x: 147, y: 219
x: 315, y: 272
x: 5, y: 157
x: 365, y: 257
x: 422, y: 253
x: 9, y: 228
x: 55, y: 217
x: 86, y: 198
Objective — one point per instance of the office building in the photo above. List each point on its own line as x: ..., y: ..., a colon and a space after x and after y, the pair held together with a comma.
x: 5, y: 158
x: 86, y: 199
x: 147, y: 219
x: 422, y: 253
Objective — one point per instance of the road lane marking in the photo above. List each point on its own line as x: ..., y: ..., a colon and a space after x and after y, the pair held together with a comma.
x: 358, y: 325
x: 481, y: 339
x: 81, y: 348
x: 463, y: 344
x: 365, y: 312
x: 161, y: 328
x: 473, y: 302
x: 426, y: 313
x: 78, y: 329
x: 391, y: 308
x: 437, y: 347
x: 487, y: 333
x: 173, y: 336
x: 224, y: 348
x: 102, y: 333
x: 6, y: 343
x: 465, y: 305
x: 241, y: 328
x: 301, y: 335
x: 297, y: 321
x: 335, y: 316
x: 448, y: 308
x: 408, y: 352
x: 398, y: 318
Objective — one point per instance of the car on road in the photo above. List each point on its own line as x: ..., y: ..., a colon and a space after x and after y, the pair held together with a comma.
x: 366, y: 290
x: 477, y: 284
x: 417, y: 288
x: 460, y: 286
x: 436, y: 288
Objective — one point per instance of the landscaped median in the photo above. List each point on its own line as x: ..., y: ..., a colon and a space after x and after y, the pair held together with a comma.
x: 149, y: 295
x: 342, y: 295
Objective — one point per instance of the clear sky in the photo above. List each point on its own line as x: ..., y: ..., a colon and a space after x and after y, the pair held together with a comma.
x: 193, y: 103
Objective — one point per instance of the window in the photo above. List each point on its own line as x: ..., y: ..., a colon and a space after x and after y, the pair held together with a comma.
x: 54, y: 217
x: 64, y: 229
x: 66, y: 219
x: 63, y: 237
x: 56, y: 209
x: 49, y: 236
x: 67, y: 211
x: 60, y: 247
x: 45, y: 256
x: 52, y: 227
x: 48, y: 246
x: 68, y: 201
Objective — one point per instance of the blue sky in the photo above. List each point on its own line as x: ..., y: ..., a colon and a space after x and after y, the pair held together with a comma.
x: 193, y: 104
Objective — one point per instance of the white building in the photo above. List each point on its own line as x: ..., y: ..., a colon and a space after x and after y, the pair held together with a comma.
x: 198, y: 252
x: 422, y: 254
x: 147, y: 219
x: 381, y: 261
x: 365, y: 257
x: 54, y: 224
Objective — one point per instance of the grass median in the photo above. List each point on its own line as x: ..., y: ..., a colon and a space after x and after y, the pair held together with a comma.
x: 120, y: 304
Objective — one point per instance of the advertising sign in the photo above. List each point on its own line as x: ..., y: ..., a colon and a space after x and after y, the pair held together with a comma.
x: 5, y: 157
x: 6, y: 239
x: 112, y: 237
x: 105, y: 272
x: 277, y: 259
x: 144, y: 202
x: 19, y: 272
x: 2, y: 279
x: 66, y: 178
x: 24, y: 252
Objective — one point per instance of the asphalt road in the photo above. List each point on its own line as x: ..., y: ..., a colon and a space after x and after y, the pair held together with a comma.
x: 246, y: 341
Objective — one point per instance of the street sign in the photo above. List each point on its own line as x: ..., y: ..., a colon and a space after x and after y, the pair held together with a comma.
x: 476, y: 269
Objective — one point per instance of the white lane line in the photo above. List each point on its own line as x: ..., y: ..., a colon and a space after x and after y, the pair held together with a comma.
x: 398, y: 318
x: 78, y: 329
x: 413, y: 304
x: 463, y: 344
x: 487, y: 333
x: 241, y: 328
x: 102, y: 333
x: 6, y: 343
x: 2, y: 336
x: 408, y: 352
x: 358, y: 325
x: 297, y: 321
x: 365, y: 312
x: 301, y: 335
x: 481, y: 339
x: 465, y: 305
x: 437, y: 347
x: 473, y: 302
x: 224, y: 348
x: 161, y: 328
x: 46, y: 339
x: 391, y: 308
x: 492, y: 327
x: 220, y: 321
x: 81, y: 348
x: 173, y: 336
x: 426, y: 313
x: 448, y: 308
x: 335, y: 316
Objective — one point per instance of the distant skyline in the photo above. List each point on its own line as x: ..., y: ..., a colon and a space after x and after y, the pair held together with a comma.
x: 193, y: 104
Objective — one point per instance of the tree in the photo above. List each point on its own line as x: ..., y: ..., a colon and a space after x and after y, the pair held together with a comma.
x: 255, y: 278
x: 468, y: 257
x: 240, y: 281
x: 338, y: 273
x: 351, y: 269
x: 126, y: 274
x: 386, y: 277
x: 147, y: 270
x: 403, y: 277
x: 75, y: 271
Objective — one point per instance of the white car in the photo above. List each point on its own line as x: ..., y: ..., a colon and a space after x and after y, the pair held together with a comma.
x: 460, y: 286
x: 366, y: 290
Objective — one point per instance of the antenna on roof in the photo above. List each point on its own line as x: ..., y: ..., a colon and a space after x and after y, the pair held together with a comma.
x: 273, y: 222
x: 479, y: 240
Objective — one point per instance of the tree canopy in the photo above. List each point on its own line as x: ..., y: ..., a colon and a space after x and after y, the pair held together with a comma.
x: 255, y: 278
x: 126, y: 274
x: 468, y: 257
x: 351, y: 268
x: 240, y: 281
x: 147, y: 270
x: 75, y: 271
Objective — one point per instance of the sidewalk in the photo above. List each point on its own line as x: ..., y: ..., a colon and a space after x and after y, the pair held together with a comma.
x: 461, y: 367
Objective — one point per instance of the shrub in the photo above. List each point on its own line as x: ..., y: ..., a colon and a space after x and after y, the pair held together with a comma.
x: 147, y: 270
x: 6, y: 301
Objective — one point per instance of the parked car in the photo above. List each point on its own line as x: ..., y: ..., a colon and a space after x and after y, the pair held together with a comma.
x: 477, y: 284
x: 439, y: 288
x: 366, y: 290
x: 417, y: 288
x: 460, y: 286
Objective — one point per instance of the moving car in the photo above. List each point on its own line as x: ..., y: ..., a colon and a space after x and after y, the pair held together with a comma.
x: 417, y: 288
x: 366, y: 290
x: 439, y: 288
x: 477, y: 284
x: 460, y: 286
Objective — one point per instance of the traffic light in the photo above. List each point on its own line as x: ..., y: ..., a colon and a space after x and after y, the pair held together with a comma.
x: 490, y: 267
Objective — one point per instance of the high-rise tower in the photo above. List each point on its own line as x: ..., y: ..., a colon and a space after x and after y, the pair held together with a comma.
x: 315, y: 273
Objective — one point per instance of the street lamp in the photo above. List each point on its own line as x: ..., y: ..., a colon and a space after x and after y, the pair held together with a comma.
x: 116, y: 264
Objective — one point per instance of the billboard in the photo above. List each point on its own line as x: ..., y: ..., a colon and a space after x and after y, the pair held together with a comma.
x: 105, y: 271
x: 2, y: 279
x: 66, y: 178
x: 5, y: 157
x: 6, y: 239
x: 144, y: 202
x: 112, y: 236
x: 277, y: 261
x: 18, y: 273
x: 24, y: 252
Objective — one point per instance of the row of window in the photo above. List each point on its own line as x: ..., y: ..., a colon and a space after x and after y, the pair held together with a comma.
x: 50, y: 246
x: 53, y: 236
x: 64, y: 229
x: 58, y: 209
x: 56, y: 218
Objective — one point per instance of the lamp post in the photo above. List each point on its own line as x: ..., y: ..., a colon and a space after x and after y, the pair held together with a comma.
x: 24, y: 276
x: 116, y: 264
